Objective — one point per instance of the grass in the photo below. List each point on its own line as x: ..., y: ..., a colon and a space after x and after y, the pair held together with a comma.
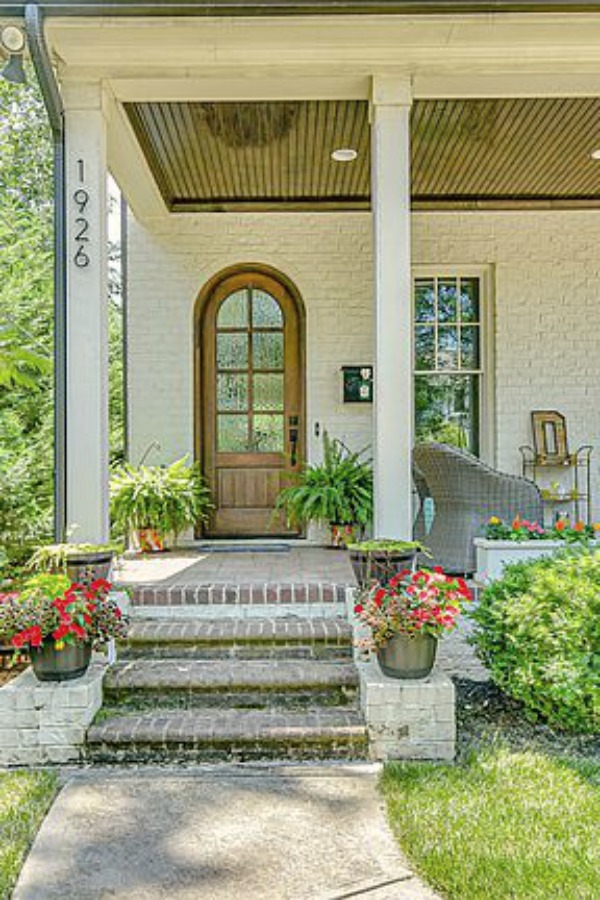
x: 504, y: 824
x: 24, y: 800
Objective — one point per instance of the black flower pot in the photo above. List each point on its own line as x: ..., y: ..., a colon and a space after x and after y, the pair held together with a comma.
x: 50, y: 664
x: 84, y: 568
x: 408, y: 656
x: 371, y: 566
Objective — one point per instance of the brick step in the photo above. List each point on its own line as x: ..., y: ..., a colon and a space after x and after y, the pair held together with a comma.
x: 252, y: 594
x: 186, y: 683
x: 289, y: 638
x: 209, y: 735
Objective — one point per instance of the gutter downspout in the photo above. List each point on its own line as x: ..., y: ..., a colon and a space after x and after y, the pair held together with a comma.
x: 54, y: 107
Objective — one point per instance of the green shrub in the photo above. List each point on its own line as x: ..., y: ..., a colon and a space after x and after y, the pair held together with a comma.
x: 538, y: 631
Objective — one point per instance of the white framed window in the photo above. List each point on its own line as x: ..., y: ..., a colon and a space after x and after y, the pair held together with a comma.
x: 453, y: 357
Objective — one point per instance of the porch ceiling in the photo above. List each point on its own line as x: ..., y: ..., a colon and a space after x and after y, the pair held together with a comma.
x: 277, y: 155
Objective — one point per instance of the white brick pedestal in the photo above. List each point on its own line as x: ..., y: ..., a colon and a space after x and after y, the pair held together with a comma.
x: 408, y: 719
x: 47, y: 722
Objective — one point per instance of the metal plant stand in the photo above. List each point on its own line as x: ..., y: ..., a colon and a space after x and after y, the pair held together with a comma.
x: 572, y: 499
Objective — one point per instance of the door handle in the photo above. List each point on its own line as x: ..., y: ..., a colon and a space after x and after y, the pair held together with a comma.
x: 293, y: 438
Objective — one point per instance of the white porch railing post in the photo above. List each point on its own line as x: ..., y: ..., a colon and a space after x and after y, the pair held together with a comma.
x: 87, y: 313
x: 393, y: 401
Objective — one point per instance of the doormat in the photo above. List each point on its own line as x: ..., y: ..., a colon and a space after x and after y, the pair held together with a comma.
x: 244, y: 548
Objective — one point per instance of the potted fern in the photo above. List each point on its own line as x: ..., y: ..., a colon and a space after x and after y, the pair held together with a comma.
x: 337, y: 493
x: 152, y: 504
x: 82, y: 563
x: 376, y: 561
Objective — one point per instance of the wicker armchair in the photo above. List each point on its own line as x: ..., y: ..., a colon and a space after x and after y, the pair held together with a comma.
x: 466, y: 492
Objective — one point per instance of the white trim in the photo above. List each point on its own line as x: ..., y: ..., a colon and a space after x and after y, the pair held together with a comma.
x: 487, y: 400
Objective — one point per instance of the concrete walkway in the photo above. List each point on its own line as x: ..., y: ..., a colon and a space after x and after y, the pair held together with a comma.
x: 285, y: 833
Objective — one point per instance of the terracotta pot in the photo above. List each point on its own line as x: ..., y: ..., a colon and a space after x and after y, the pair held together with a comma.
x: 408, y: 656
x: 372, y: 566
x: 50, y: 664
x: 148, y: 540
x: 341, y: 535
x: 84, y: 568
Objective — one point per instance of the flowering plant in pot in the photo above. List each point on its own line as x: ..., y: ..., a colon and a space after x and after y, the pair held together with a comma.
x: 408, y: 616
x: 59, y: 623
x: 520, y: 530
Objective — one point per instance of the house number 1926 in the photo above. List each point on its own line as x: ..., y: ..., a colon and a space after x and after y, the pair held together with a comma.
x: 81, y: 199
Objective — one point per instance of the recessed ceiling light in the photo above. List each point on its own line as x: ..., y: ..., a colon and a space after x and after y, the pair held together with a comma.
x: 595, y: 154
x: 344, y: 154
x: 12, y: 39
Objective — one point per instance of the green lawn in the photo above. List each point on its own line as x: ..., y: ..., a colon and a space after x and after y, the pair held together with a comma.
x: 24, y: 801
x: 504, y: 824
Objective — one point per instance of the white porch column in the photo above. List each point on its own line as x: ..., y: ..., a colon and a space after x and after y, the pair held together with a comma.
x: 87, y: 313
x: 393, y: 400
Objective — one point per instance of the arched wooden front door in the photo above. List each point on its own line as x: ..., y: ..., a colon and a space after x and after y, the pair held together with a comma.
x: 249, y: 401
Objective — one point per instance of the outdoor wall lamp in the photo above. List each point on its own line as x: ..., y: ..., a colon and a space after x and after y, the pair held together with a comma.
x: 12, y: 41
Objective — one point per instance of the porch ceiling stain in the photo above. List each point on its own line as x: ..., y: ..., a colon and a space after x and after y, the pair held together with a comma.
x: 277, y: 155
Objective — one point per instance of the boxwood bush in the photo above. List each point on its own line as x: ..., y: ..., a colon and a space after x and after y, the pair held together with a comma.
x: 538, y: 631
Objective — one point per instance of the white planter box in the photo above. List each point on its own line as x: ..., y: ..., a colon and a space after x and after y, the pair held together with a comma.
x: 493, y: 556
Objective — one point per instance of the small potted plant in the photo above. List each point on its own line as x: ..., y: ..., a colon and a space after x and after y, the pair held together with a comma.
x: 59, y: 624
x: 82, y: 563
x: 408, y: 616
x: 379, y: 560
x: 337, y: 493
x: 150, y: 504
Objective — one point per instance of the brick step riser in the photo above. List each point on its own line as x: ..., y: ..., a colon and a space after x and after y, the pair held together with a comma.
x: 327, y: 652
x: 239, y: 595
x: 148, y: 699
x: 193, y: 754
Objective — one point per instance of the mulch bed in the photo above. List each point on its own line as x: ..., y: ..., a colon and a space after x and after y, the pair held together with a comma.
x: 7, y: 675
x: 486, y: 716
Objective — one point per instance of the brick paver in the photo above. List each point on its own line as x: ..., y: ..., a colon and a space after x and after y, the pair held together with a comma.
x: 227, y: 594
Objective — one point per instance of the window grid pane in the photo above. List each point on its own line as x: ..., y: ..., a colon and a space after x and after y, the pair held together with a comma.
x: 455, y: 325
x: 249, y: 379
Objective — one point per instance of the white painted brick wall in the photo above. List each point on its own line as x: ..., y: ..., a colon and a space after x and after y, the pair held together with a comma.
x: 546, y: 269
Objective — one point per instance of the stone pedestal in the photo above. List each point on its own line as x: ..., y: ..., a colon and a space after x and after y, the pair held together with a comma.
x: 408, y: 719
x: 47, y: 723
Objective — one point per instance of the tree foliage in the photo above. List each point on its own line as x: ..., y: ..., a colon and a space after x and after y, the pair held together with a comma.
x: 26, y: 323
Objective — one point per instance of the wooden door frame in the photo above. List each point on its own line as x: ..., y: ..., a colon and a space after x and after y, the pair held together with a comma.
x: 202, y: 304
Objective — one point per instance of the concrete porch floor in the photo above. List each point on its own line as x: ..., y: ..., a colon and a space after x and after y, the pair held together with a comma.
x: 305, y: 565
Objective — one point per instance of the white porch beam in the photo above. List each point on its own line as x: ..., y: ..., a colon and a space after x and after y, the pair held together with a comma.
x: 87, y: 314
x: 129, y: 167
x: 393, y: 402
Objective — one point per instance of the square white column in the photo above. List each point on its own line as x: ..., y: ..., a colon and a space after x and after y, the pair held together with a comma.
x: 87, y: 447
x: 393, y: 400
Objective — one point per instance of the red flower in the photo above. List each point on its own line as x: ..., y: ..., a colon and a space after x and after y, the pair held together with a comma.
x: 100, y: 584
x: 560, y: 525
x: 35, y: 636
x: 358, y: 609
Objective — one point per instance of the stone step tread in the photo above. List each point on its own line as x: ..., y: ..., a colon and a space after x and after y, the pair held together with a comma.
x: 239, y: 631
x: 230, y: 674
x: 218, y: 727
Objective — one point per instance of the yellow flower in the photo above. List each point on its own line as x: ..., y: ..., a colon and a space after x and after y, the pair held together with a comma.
x: 596, y: 526
x: 59, y: 645
x: 494, y: 520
